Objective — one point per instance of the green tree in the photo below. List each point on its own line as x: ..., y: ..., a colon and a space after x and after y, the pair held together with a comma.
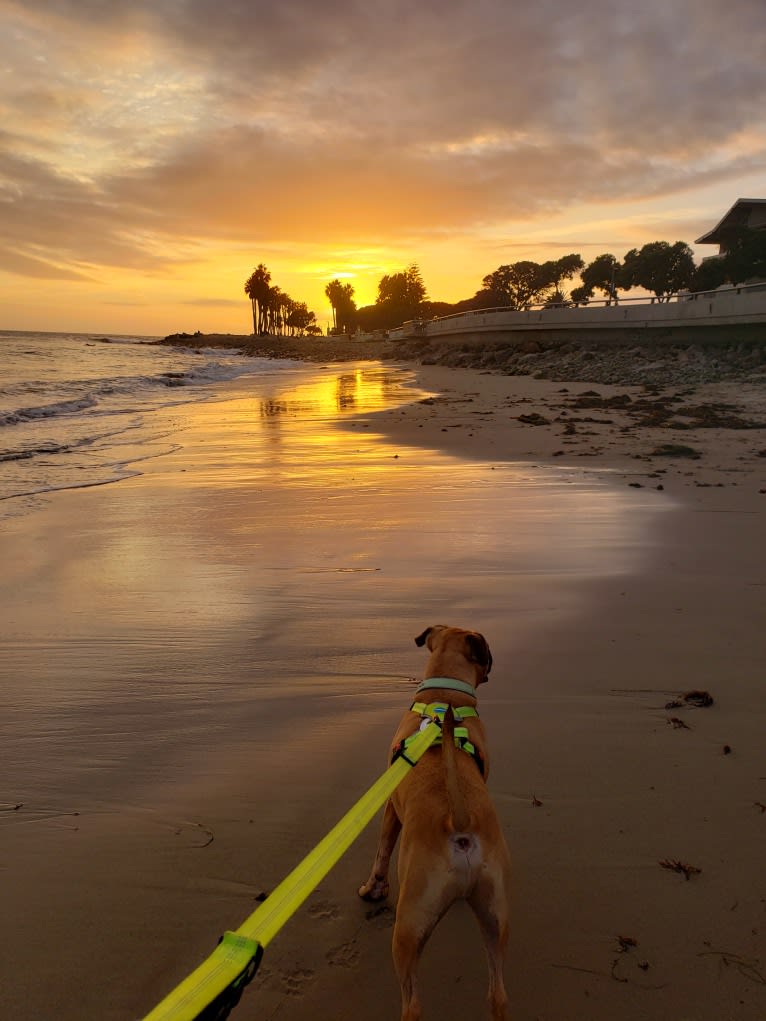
x: 257, y: 289
x: 659, y: 267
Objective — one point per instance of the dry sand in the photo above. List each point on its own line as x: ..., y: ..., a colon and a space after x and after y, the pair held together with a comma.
x: 597, y: 782
x: 617, y: 782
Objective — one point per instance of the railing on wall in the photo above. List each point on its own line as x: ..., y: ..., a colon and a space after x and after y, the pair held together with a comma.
x: 743, y: 304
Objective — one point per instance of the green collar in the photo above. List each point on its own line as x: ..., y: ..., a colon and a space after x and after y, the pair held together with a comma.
x: 448, y: 683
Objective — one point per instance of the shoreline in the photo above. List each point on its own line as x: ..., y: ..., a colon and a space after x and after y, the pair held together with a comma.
x: 693, y: 410
x: 594, y: 783
x: 675, y: 439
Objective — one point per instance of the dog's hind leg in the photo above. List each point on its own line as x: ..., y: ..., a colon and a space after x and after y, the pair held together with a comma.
x: 411, y: 932
x: 406, y: 949
x: 376, y: 887
x: 491, y: 909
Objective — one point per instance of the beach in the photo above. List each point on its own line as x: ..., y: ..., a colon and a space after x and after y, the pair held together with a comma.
x: 204, y: 663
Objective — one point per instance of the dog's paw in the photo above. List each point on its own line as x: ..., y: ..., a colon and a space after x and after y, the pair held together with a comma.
x: 376, y: 888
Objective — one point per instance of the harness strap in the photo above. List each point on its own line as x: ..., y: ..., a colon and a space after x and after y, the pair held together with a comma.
x: 435, y: 711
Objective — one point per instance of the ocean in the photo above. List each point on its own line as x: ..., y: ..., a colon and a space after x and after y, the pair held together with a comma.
x: 74, y: 407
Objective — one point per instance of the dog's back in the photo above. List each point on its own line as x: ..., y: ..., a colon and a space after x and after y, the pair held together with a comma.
x: 447, y: 816
x: 452, y: 845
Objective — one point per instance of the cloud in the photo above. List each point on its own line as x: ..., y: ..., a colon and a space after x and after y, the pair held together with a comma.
x: 24, y: 265
x: 135, y: 132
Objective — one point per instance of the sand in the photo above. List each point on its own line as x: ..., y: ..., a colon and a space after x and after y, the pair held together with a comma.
x: 143, y: 831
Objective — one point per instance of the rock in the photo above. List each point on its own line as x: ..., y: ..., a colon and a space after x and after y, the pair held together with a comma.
x: 676, y: 450
x: 534, y: 419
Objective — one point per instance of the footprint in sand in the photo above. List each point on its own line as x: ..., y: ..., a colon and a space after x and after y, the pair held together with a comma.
x: 344, y: 956
x: 294, y: 982
x: 324, y: 909
x: 381, y: 916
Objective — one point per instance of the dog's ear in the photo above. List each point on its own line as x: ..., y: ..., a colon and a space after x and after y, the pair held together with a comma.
x: 478, y: 651
x: 420, y: 641
x: 429, y: 635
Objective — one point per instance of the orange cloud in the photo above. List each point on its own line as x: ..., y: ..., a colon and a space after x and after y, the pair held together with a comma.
x: 155, y: 149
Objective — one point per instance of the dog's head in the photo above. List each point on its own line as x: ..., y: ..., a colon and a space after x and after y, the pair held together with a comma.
x: 452, y: 647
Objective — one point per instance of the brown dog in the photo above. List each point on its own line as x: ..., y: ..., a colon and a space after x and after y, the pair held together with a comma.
x: 452, y: 845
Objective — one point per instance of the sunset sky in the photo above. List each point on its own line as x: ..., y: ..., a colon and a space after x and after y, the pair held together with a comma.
x: 153, y: 152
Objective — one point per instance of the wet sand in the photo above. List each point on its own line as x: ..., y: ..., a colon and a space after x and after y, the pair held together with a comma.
x: 202, y: 668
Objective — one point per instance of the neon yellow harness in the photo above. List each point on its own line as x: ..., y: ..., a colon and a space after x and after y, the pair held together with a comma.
x: 434, y: 711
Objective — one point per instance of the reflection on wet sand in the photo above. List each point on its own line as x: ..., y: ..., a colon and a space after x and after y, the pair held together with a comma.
x: 364, y: 390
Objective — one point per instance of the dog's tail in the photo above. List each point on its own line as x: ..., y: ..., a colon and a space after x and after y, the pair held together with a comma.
x: 459, y: 814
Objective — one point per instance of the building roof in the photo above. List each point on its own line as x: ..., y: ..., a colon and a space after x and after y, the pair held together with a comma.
x: 737, y: 216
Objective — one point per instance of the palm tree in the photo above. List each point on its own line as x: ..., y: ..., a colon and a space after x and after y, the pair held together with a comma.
x: 275, y: 304
x: 341, y: 298
x: 257, y: 289
x: 334, y: 292
x: 285, y: 304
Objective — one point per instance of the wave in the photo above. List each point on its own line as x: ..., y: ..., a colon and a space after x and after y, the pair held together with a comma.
x: 44, y: 448
x: 47, y: 411
x: 97, y: 392
x: 75, y: 412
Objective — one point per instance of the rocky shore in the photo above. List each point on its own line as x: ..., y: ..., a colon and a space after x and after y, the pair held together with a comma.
x: 663, y: 359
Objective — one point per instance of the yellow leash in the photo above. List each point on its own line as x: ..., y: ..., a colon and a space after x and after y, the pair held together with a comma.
x: 214, y: 988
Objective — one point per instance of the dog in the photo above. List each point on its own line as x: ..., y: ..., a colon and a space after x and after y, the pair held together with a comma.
x: 452, y: 845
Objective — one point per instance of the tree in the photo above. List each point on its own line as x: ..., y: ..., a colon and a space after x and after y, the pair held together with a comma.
x: 603, y: 274
x: 341, y: 298
x: 556, y: 299
x: 556, y: 272
x: 405, y: 289
x: 659, y: 267
x: 274, y: 311
x: 333, y: 293
x: 257, y: 289
x: 347, y: 310
x: 745, y: 258
x: 300, y: 320
x: 517, y: 285
x: 710, y: 274
x: 277, y: 304
x: 401, y: 296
